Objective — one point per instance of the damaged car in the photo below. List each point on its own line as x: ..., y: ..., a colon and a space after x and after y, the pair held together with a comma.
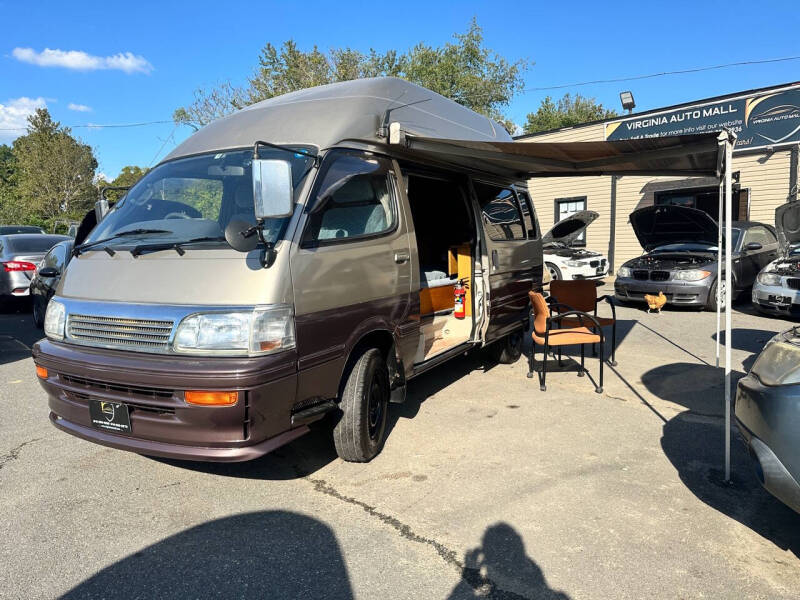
x: 680, y: 259
x: 564, y: 261
x: 768, y: 416
x: 777, y: 287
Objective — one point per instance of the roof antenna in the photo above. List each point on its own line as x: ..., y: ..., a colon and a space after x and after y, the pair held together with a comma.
x: 383, y: 130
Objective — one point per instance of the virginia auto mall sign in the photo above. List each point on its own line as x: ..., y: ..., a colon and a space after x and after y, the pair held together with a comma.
x: 767, y: 119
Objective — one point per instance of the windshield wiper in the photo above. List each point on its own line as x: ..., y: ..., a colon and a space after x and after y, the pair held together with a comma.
x: 77, y: 250
x: 177, y: 246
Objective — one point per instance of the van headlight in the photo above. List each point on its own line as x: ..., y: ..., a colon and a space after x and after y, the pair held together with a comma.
x: 624, y: 272
x: 54, y: 320
x: 262, y: 330
x: 769, y: 278
x: 691, y: 275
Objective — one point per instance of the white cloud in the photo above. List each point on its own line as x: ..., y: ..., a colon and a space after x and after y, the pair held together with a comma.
x: 82, y: 61
x: 14, y: 115
x: 79, y: 107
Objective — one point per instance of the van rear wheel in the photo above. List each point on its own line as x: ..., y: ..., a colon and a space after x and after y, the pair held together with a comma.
x: 506, y: 350
x: 359, y: 434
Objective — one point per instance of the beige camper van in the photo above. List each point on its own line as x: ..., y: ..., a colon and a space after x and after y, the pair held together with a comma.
x: 293, y: 262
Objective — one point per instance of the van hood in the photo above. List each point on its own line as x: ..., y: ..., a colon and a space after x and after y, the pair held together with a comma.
x: 658, y: 225
x: 787, y: 223
x: 568, y: 230
x: 201, y: 277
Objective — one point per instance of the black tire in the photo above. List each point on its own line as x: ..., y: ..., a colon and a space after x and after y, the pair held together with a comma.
x: 711, y: 304
x: 507, y: 350
x: 555, y: 272
x: 360, y: 433
x: 39, y: 308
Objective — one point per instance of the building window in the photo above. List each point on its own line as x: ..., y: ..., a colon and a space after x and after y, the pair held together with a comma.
x: 705, y: 199
x: 566, y: 207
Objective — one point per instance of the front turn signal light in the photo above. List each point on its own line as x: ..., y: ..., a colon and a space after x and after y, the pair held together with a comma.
x: 205, y: 398
x: 41, y: 372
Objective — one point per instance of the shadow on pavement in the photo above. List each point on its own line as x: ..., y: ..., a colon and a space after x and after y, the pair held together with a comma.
x: 700, y: 388
x: 269, y: 554
x: 695, y: 447
x: 500, y: 568
x: 749, y: 340
x: 297, y: 459
x: 17, y: 332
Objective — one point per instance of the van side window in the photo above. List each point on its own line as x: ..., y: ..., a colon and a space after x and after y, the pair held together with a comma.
x: 500, y: 212
x: 528, y: 214
x: 353, y: 201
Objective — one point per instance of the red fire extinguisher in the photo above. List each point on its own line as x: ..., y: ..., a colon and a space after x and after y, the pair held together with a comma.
x: 460, y: 291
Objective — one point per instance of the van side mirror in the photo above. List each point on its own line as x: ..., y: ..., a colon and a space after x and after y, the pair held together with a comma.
x: 49, y: 272
x: 272, y: 188
x: 751, y: 246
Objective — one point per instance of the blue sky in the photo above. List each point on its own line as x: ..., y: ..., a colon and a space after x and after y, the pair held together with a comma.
x: 135, y: 62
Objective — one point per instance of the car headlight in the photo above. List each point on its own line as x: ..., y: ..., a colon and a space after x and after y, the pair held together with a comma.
x: 778, y: 363
x: 624, y: 272
x: 262, y: 330
x: 691, y: 275
x: 54, y: 320
x: 765, y: 278
x: 575, y: 263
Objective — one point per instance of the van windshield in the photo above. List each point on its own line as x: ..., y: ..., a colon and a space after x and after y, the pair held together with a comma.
x: 194, y: 199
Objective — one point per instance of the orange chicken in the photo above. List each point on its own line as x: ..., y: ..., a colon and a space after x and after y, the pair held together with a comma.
x: 655, y: 302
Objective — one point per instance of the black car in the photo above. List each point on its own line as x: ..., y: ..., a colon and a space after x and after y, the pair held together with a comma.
x: 46, y: 278
x: 681, y: 256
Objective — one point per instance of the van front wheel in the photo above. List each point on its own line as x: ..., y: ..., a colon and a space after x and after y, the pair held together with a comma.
x: 506, y: 350
x: 359, y: 434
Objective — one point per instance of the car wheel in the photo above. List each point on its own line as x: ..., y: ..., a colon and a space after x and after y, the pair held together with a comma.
x: 39, y: 308
x: 506, y: 350
x: 359, y: 434
x: 712, y: 297
x: 555, y: 272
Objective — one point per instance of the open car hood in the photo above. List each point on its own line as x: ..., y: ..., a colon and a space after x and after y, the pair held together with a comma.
x: 658, y: 225
x: 567, y: 230
x: 787, y: 223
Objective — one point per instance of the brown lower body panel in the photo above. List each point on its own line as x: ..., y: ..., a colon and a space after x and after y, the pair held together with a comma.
x: 153, y: 386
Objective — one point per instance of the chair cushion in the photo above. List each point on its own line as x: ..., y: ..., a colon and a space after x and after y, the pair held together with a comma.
x: 568, y: 337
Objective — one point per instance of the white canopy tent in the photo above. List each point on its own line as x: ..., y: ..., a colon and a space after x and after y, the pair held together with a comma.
x: 688, y: 155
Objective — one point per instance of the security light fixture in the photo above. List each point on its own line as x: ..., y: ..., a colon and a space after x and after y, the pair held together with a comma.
x: 627, y: 101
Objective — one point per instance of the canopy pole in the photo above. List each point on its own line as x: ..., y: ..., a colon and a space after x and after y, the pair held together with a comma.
x: 720, y: 217
x: 728, y: 300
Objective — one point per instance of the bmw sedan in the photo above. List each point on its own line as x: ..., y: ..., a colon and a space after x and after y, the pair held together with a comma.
x: 680, y: 257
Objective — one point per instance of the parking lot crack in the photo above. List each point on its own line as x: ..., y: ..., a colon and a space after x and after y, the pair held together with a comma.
x: 473, y: 577
x: 14, y: 453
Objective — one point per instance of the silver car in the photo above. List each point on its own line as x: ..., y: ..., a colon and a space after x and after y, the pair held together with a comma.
x: 776, y: 290
x: 19, y: 255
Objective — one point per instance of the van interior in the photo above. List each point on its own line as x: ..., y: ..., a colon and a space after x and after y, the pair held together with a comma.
x: 446, y: 238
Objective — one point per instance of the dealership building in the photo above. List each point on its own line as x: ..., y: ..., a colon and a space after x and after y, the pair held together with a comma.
x: 765, y: 165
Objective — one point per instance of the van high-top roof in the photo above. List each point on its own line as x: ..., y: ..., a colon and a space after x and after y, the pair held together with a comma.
x: 351, y: 110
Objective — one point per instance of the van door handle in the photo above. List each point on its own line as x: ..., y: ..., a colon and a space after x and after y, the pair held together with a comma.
x: 401, y: 257
x: 494, y: 258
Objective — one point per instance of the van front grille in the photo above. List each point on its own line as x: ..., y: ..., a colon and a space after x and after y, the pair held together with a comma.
x: 134, y: 334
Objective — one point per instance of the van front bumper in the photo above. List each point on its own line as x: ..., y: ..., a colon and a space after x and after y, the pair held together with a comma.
x: 153, y: 386
x: 684, y: 293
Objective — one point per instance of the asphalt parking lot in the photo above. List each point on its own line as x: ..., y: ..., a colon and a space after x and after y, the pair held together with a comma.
x: 487, y: 487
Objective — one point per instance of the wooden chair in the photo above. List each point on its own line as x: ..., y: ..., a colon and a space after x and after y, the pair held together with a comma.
x: 545, y: 335
x: 581, y: 294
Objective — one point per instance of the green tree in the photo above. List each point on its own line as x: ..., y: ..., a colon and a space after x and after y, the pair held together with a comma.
x: 127, y: 177
x: 10, y: 207
x: 464, y: 70
x: 54, y: 171
x: 568, y: 111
